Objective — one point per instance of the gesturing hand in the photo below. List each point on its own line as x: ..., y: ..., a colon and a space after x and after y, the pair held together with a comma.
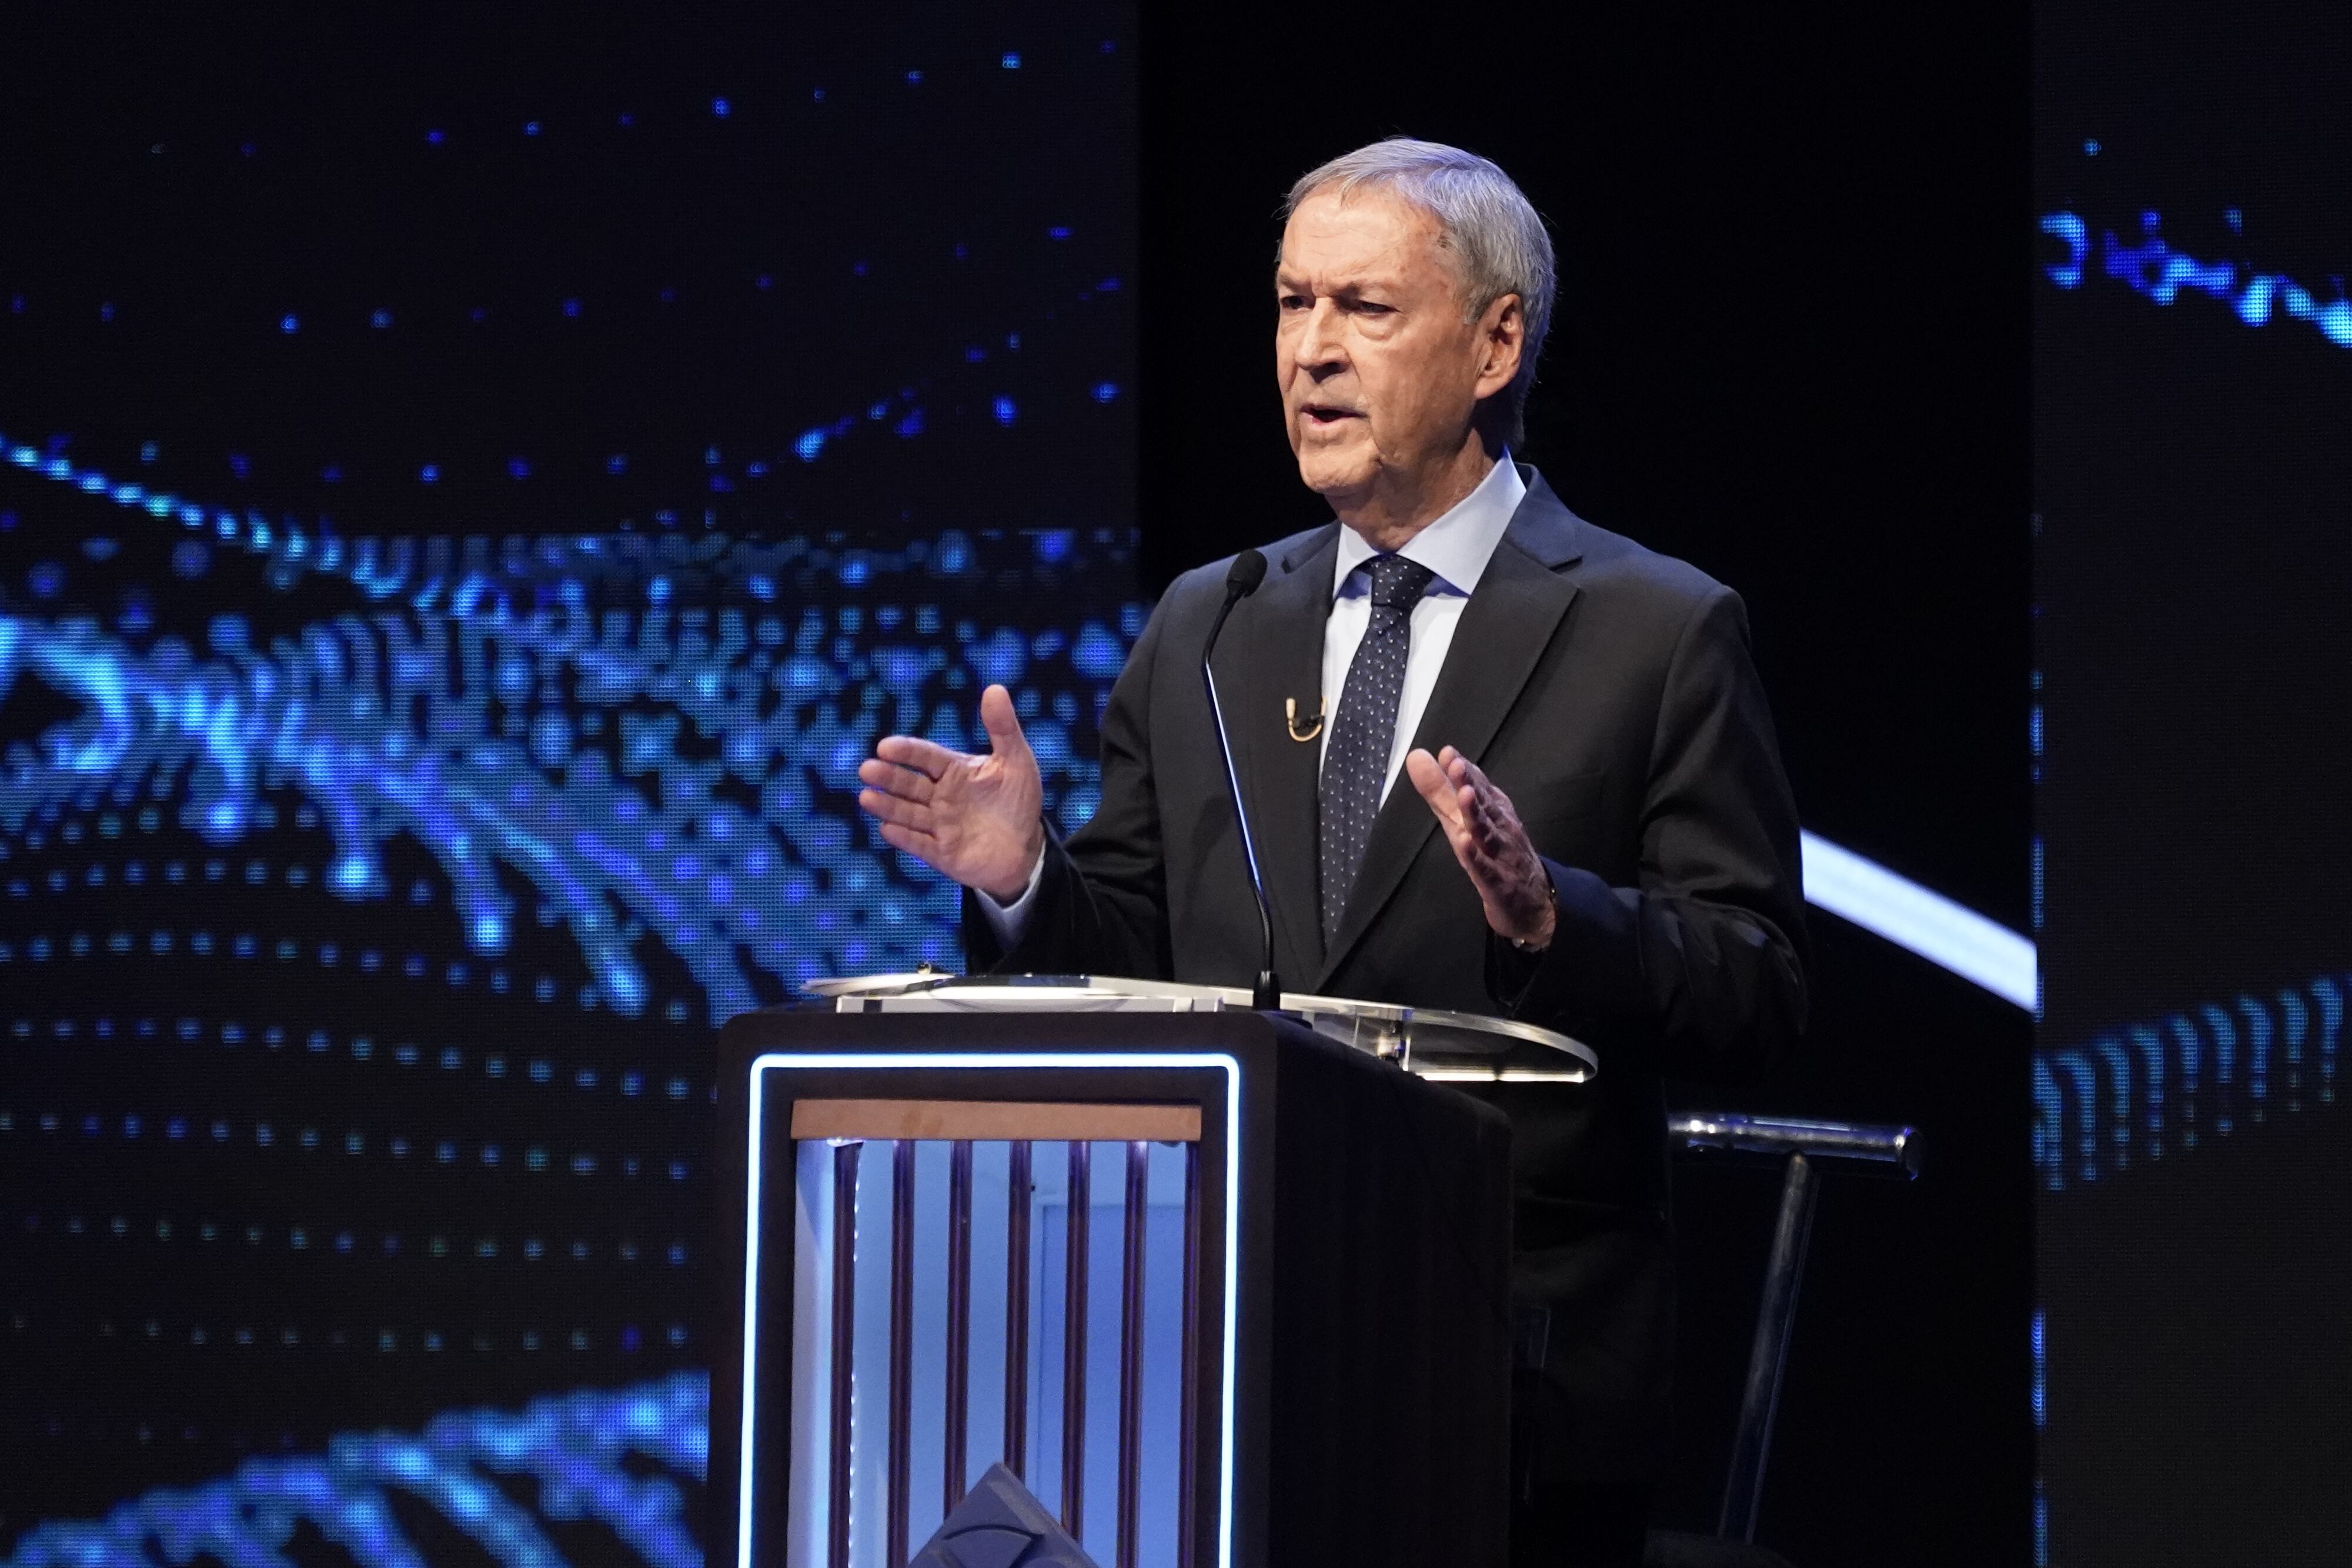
x: 1490, y: 842
x: 971, y: 819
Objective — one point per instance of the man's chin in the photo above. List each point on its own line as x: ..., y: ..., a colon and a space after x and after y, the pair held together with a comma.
x: 1335, y: 475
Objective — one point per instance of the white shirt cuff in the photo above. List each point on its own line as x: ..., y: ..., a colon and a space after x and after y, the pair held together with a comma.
x: 1009, y: 921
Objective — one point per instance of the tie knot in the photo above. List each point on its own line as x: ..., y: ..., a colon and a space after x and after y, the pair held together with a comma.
x: 1399, y: 583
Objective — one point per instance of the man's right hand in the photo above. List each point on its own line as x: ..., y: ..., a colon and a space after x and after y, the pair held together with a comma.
x: 972, y: 819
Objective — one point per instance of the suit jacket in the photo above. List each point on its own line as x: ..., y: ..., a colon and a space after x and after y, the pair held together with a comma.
x: 1609, y: 691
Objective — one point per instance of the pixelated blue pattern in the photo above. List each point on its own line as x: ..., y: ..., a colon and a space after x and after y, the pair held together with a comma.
x: 434, y: 677
x: 2153, y: 268
x: 2201, y: 1071
x: 574, y: 1447
x: 721, y: 823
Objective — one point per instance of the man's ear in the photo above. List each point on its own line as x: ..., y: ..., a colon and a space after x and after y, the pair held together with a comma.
x: 1502, y: 339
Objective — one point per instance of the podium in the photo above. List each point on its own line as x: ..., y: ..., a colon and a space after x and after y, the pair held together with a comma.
x: 1024, y: 1271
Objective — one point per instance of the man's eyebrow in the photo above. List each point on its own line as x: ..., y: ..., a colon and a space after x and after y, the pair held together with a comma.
x: 1292, y: 282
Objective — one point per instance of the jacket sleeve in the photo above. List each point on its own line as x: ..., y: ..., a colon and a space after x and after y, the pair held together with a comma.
x: 1702, y: 965
x: 1101, y: 905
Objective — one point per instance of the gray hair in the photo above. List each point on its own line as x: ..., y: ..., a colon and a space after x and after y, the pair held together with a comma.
x: 1497, y: 236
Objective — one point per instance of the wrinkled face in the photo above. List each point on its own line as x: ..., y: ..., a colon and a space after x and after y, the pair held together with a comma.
x: 1379, y: 371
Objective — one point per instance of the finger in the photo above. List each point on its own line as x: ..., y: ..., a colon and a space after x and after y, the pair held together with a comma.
x: 1481, y: 824
x: 1471, y: 776
x: 1486, y: 814
x: 891, y: 808
x: 1484, y: 868
x: 1464, y: 777
x: 904, y: 782
x: 1490, y: 816
x: 925, y: 757
x: 1504, y: 842
x: 1429, y: 781
x: 1474, y: 808
x: 1488, y: 835
x: 1493, y: 807
x: 1449, y: 819
x: 1004, y: 726
x: 1445, y: 806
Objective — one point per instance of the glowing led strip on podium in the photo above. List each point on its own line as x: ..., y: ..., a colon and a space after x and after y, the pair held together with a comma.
x: 862, y: 1062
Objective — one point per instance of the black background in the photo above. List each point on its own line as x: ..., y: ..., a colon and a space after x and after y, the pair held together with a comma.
x: 2192, y: 564
x: 1790, y: 348
x: 207, y: 173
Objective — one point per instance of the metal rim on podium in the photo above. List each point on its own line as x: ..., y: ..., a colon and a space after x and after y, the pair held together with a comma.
x: 1432, y: 1043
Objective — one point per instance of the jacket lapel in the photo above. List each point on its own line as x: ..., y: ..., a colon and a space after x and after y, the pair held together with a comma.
x: 1284, y: 648
x: 1504, y: 630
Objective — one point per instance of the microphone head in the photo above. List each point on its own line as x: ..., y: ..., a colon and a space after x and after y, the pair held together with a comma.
x: 1247, y: 571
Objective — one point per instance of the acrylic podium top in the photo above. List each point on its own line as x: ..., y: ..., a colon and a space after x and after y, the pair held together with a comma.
x: 1446, y: 1047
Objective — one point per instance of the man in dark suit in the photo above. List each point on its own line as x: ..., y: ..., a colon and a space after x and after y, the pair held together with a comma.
x: 1597, y: 836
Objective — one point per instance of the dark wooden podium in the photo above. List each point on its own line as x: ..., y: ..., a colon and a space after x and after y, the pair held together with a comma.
x: 1216, y: 1290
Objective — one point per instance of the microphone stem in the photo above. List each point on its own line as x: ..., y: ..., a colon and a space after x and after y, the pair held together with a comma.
x: 1266, y: 993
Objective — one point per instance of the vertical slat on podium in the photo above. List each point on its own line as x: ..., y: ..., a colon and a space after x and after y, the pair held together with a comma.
x: 844, y: 1329
x: 882, y: 1395
x: 1074, y: 1341
x: 1130, y: 1351
x: 1016, y: 1312
x: 902, y: 1348
x: 1189, y: 1399
x: 958, y: 1391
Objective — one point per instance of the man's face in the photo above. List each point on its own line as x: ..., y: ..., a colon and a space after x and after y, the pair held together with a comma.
x: 1379, y: 371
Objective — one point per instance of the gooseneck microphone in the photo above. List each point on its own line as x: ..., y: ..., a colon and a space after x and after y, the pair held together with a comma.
x: 1248, y: 571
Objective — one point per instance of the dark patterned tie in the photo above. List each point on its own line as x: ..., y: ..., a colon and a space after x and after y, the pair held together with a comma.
x: 1357, y: 763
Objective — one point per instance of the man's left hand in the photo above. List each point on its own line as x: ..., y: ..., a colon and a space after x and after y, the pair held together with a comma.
x: 1490, y: 842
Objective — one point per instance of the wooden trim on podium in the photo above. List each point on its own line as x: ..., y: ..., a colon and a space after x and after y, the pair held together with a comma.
x: 985, y: 1120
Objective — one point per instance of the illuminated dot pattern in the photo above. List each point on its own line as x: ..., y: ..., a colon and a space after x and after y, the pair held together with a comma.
x: 535, y: 760
x: 416, y: 736
x: 2152, y: 268
x: 2165, y: 1084
x: 616, y: 1458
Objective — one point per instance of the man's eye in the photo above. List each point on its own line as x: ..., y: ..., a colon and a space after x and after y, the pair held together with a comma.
x: 1292, y: 302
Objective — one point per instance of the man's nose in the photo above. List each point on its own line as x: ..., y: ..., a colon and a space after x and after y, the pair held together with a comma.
x: 1317, y: 346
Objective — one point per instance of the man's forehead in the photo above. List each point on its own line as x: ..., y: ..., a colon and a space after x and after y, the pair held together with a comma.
x: 1363, y: 236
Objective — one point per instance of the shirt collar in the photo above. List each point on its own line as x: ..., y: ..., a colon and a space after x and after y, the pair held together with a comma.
x: 1458, y: 545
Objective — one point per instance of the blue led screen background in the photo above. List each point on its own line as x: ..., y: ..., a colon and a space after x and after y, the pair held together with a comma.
x: 471, y: 486
x: 2193, y: 361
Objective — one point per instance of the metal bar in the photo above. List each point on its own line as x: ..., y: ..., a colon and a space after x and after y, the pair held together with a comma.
x: 1743, y: 1490
x: 952, y: 1120
x: 1016, y: 1312
x: 902, y: 1348
x: 1074, y: 1341
x: 1130, y: 1350
x: 1784, y: 1136
x: 1188, y: 1401
x: 958, y: 1396
x: 845, y: 1329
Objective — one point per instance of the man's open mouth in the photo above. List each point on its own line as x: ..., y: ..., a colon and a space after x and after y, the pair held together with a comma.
x: 1324, y: 415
